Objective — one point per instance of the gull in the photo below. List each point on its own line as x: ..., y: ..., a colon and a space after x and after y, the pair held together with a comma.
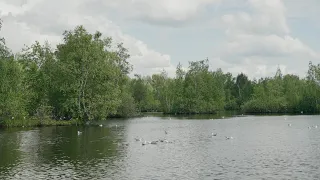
x: 153, y: 142
x: 229, y: 137
x: 144, y: 143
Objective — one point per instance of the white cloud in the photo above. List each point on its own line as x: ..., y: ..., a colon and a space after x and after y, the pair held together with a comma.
x: 142, y: 58
x: 267, y: 46
x: 271, y: 12
x: 264, y: 17
x: 18, y: 34
x: 259, y: 40
x: 46, y: 20
x: 167, y: 12
x: 253, y: 67
x: 175, y: 10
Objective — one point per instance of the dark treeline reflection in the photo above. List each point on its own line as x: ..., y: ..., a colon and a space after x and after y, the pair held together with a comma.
x: 9, y: 151
x: 60, y: 142
x: 85, y: 77
x: 56, y: 148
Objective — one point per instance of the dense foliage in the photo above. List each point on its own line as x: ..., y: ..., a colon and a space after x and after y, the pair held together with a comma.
x: 86, y: 78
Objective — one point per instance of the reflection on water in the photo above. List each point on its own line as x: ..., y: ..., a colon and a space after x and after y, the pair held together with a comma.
x: 219, y: 115
x: 263, y: 147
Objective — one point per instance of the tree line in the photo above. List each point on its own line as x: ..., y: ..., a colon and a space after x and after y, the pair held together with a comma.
x: 86, y: 77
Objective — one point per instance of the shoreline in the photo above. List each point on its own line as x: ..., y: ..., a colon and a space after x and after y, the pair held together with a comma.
x: 34, y: 122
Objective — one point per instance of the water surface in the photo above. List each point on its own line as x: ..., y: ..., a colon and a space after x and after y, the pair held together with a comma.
x: 263, y: 147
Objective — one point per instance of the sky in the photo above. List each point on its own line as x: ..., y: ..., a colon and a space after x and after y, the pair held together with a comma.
x: 249, y: 36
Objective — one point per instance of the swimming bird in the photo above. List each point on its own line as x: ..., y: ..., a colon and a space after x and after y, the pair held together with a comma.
x: 289, y: 125
x: 316, y: 126
x: 123, y: 144
x: 79, y: 132
x: 100, y: 125
x: 153, y: 142
x: 214, y: 134
x: 229, y: 137
x: 144, y: 143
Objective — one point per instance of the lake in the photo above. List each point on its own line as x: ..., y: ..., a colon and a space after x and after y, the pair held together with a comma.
x: 263, y: 147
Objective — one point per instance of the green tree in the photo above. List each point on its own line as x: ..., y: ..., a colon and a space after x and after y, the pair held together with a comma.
x: 244, y: 89
x: 90, y: 74
x: 12, y: 89
x: 38, y: 62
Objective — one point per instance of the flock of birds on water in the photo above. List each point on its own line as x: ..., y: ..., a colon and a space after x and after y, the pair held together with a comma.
x: 144, y: 142
x: 309, y: 127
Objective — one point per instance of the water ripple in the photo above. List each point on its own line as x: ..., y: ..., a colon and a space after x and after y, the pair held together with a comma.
x: 262, y: 148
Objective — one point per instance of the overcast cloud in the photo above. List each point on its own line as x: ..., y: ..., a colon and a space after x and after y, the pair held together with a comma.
x: 250, y: 36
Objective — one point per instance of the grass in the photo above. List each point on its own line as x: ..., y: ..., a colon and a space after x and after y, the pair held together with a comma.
x: 29, y: 122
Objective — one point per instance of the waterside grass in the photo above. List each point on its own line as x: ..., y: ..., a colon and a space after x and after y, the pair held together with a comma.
x: 29, y: 122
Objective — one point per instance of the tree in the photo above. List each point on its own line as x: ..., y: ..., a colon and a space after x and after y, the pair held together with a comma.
x: 90, y: 74
x: 38, y: 62
x: 244, y: 89
x: 86, y: 77
x: 12, y: 90
x: 4, y: 50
